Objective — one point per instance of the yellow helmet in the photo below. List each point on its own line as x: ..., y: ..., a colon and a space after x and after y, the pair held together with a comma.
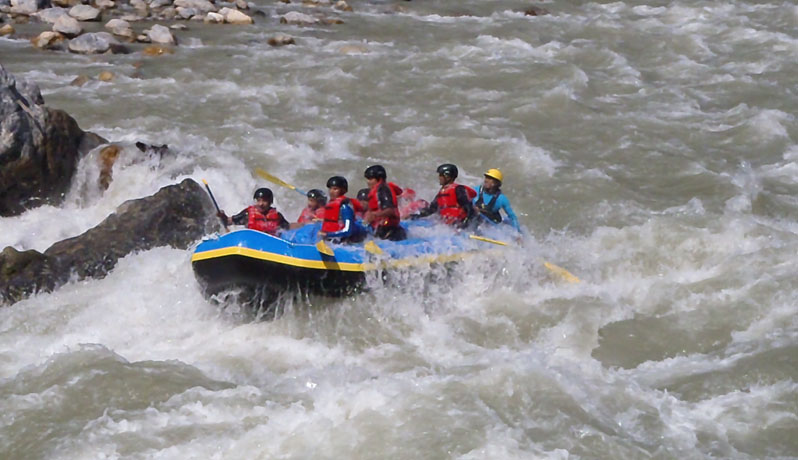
x: 494, y: 173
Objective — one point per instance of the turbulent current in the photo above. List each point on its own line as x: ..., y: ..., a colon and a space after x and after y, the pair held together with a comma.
x: 648, y: 148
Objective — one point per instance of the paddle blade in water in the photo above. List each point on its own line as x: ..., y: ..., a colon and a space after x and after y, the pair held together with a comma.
x: 324, y: 248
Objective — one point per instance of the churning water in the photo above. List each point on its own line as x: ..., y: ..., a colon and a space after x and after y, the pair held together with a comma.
x: 649, y: 148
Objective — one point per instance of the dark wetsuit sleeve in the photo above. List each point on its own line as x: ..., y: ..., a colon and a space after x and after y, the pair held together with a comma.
x: 385, y: 197
x: 462, y: 200
x: 429, y: 210
x: 284, y: 224
x: 242, y: 218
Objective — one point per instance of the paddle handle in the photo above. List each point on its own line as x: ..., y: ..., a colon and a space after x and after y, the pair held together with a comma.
x: 208, y: 188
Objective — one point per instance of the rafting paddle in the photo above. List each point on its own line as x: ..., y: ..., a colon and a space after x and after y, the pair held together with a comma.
x: 324, y: 248
x: 373, y: 248
x: 557, y: 270
x: 278, y: 181
x: 208, y: 188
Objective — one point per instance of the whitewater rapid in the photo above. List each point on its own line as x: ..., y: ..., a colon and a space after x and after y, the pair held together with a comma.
x: 650, y: 149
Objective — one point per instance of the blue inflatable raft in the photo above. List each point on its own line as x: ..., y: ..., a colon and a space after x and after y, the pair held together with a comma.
x: 249, y: 258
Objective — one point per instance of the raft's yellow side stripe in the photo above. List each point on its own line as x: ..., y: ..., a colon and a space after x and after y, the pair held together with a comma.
x: 287, y: 260
x: 326, y: 265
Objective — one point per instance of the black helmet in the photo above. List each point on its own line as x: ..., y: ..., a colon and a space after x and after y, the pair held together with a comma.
x: 447, y: 169
x: 316, y: 194
x: 264, y: 193
x: 338, y: 181
x: 363, y: 194
x: 375, y: 172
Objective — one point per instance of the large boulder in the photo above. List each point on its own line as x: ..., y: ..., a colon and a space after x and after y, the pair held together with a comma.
x: 93, y: 43
x: 176, y: 216
x: 67, y: 26
x: 39, y: 147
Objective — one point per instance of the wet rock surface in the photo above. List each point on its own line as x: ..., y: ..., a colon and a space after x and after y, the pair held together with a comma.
x: 39, y: 147
x: 176, y: 216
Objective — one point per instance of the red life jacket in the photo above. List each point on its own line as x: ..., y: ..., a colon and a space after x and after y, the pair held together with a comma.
x: 412, y: 208
x: 374, y: 205
x: 269, y: 223
x: 332, y: 214
x: 448, y: 207
x: 308, y: 215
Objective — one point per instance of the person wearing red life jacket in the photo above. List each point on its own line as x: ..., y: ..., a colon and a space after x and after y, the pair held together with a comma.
x: 408, y: 204
x: 260, y: 216
x: 453, y: 201
x: 363, y: 198
x: 383, y: 206
x: 314, y: 211
x: 339, y: 214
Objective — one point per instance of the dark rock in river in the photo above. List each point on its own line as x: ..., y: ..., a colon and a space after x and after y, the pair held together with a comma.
x: 177, y: 216
x: 39, y: 147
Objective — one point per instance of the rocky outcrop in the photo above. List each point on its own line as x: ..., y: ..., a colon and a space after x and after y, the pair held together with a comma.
x: 39, y: 147
x: 176, y: 216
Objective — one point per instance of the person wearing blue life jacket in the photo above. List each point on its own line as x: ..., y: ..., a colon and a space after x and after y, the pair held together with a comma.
x: 490, y: 200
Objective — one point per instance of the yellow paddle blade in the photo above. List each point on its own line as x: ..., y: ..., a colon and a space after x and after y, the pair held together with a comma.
x: 373, y: 248
x: 561, y: 272
x: 274, y: 179
x: 324, y: 249
x: 487, y: 240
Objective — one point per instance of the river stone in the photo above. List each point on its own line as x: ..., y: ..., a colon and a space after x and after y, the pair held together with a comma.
x: 68, y: 26
x: 536, y: 11
x: 241, y: 4
x: 39, y: 147
x: 353, y: 49
x: 176, y: 216
x: 85, y: 13
x: 48, y: 40
x: 92, y: 43
x: 7, y: 29
x: 213, y: 18
x: 28, y: 7
x: 140, y: 6
x: 232, y: 16
x: 80, y: 80
x: 281, y: 40
x: 168, y: 14
x: 107, y: 157
x: 120, y: 27
x: 66, y: 3
x: 104, y: 4
x: 204, y: 6
x: 154, y: 4
x: 161, y: 34
x: 297, y: 18
x: 186, y: 13
x: 23, y: 273
x: 341, y: 5
x: 50, y: 15
x: 132, y: 17
x: 156, y: 50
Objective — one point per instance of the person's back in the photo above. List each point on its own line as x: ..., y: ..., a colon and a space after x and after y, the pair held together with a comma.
x: 383, y: 209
